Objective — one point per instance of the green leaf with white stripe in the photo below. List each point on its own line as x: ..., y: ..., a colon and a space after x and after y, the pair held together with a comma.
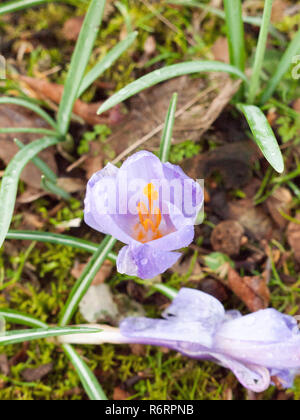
x: 19, y: 336
x: 87, y: 378
x: 263, y: 135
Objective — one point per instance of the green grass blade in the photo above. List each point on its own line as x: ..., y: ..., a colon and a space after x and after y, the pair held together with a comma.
x: 282, y: 68
x: 50, y: 186
x: 87, y: 378
x: 167, y: 73
x: 83, y: 283
x: 263, y: 135
x: 19, y: 318
x: 235, y: 33
x: 106, y: 62
x: 250, y: 20
x: 165, y: 144
x: 15, y: 130
x: 57, y: 239
x: 260, y: 52
x: 19, y: 336
x: 39, y: 163
x: 29, y: 105
x: 167, y: 291
x: 79, y: 63
x: 9, y: 184
x: 14, y: 6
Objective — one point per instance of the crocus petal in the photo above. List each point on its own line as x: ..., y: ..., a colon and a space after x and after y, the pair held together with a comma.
x: 194, y: 305
x: 160, y: 332
x: 285, y: 376
x: 142, y: 165
x: 145, y: 261
x: 266, y: 337
x: 255, y: 378
x: 192, y: 202
x: 179, y: 239
x: 267, y: 325
x: 97, y: 211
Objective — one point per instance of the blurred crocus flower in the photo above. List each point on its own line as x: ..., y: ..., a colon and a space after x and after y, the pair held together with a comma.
x: 148, y: 205
x: 255, y: 347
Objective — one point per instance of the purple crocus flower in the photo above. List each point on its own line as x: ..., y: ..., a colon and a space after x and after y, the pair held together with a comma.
x: 255, y: 347
x: 148, y: 205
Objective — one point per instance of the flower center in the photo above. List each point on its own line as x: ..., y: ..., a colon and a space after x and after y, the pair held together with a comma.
x: 149, y: 217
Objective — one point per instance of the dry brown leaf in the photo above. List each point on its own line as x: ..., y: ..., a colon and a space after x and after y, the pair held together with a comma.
x: 94, y: 161
x: 34, y: 375
x: 100, y: 277
x: 293, y: 236
x: 255, y: 221
x: 220, y: 50
x: 88, y: 112
x: 30, y: 195
x: 72, y: 28
x: 207, y: 97
x: 227, y: 237
x: 253, y: 291
x: 71, y: 185
x: 278, y: 202
x: 4, y: 366
x: 15, y: 116
x: 120, y: 394
x: 278, y: 10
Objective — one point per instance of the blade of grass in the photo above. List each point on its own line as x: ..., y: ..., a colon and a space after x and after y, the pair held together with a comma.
x: 250, y: 20
x: 235, y: 33
x: 168, y: 291
x: 19, y: 318
x: 263, y: 135
x: 165, y: 144
x: 83, y: 283
x: 15, y: 130
x: 43, y: 167
x: 29, y: 105
x: 106, y: 62
x: 282, y: 68
x: 124, y: 12
x: 9, y: 184
x: 51, y: 187
x: 167, y: 73
x: 14, y: 6
x: 79, y: 63
x: 87, y: 378
x: 260, y: 52
x: 19, y: 336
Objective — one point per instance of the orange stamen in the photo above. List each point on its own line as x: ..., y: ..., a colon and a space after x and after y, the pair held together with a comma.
x: 149, y: 219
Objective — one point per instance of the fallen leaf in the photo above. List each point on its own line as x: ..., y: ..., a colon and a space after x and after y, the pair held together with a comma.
x: 72, y: 28
x: 278, y: 10
x: 71, y: 185
x: 278, y: 202
x: 138, y: 349
x: 227, y: 237
x: 214, y: 288
x: 88, y: 112
x: 98, y: 305
x: 256, y: 222
x: 120, y: 394
x: 4, y: 366
x: 293, y: 237
x: 232, y: 161
x: 253, y: 291
x: 220, y: 50
x: 34, y: 375
x: 100, y: 277
x: 199, y: 100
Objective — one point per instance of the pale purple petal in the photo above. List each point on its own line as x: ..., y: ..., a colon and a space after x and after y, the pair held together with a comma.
x: 145, y: 261
x: 194, y: 305
x: 165, y: 333
x: 175, y: 240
